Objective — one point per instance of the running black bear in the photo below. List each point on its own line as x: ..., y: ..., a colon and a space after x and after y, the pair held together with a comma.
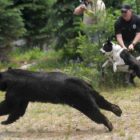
x: 22, y: 87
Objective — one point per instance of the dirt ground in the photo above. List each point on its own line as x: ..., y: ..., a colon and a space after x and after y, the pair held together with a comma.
x: 58, y: 122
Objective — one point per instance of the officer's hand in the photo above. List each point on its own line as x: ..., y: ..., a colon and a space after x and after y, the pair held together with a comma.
x: 80, y: 9
x: 131, y: 47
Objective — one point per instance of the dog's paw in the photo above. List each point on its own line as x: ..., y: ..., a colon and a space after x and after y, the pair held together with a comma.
x: 116, y: 110
x: 115, y: 68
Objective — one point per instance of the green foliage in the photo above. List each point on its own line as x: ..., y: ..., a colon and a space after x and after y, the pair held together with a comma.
x: 138, y: 6
x: 113, y: 3
x: 11, y: 23
x: 36, y: 16
x: 70, y: 50
x: 65, y: 24
x: 51, y: 62
x: 89, y: 51
x: 43, y: 59
x: 20, y: 56
x: 90, y: 75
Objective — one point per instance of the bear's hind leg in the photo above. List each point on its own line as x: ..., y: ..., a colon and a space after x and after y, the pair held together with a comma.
x: 94, y: 114
x: 104, y: 104
x: 91, y: 110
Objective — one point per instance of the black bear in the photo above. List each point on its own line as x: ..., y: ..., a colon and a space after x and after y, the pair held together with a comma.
x: 22, y: 87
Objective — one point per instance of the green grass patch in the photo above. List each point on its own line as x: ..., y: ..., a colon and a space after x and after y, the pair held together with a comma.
x: 19, y: 55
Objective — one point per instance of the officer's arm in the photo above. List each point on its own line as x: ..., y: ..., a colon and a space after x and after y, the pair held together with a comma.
x: 136, y: 39
x: 120, y: 40
x: 119, y: 34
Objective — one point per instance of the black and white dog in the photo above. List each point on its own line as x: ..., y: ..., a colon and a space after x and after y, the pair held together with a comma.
x: 120, y: 57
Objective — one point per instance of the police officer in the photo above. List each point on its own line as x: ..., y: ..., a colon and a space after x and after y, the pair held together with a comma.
x: 127, y: 29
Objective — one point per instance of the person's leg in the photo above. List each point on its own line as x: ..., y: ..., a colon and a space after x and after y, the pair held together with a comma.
x: 129, y: 79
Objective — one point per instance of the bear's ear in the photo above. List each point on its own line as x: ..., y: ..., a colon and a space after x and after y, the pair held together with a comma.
x: 9, y: 68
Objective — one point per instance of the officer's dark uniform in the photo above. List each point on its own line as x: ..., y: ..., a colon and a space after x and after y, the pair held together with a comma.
x: 128, y: 29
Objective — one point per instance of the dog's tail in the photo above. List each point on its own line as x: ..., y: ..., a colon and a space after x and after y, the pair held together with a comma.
x: 131, y: 61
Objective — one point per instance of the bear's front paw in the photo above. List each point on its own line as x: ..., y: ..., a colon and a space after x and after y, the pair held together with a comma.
x: 6, y: 122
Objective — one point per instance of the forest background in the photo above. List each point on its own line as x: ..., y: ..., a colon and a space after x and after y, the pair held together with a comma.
x: 46, y: 32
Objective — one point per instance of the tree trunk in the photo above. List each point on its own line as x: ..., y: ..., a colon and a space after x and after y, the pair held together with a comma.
x: 4, y: 53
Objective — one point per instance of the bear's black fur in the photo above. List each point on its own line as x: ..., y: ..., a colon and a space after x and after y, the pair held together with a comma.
x: 131, y: 61
x: 22, y: 87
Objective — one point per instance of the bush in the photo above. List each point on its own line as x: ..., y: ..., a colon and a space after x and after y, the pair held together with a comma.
x: 19, y: 55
